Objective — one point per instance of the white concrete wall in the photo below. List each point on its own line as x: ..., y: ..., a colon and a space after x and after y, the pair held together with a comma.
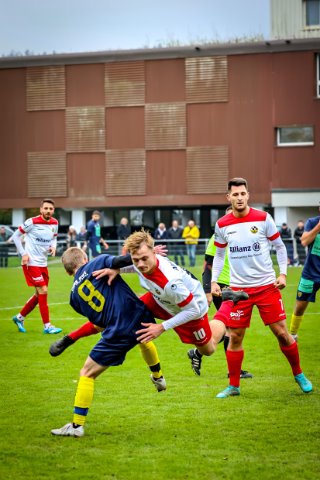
x: 18, y: 216
x: 280, y: 215
x: 78, y: 219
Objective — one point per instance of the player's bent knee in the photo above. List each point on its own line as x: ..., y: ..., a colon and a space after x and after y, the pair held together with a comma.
x: 207, y: 349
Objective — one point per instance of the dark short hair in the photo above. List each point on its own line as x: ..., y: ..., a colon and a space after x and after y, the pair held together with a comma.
x: 47, y: 200
x: 237, y: 182
x: 96, y: 212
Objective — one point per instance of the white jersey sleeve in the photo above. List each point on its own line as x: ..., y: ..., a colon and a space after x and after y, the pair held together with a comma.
x: 16, y: 238
x: 218, y: 262
x: 178, y: 294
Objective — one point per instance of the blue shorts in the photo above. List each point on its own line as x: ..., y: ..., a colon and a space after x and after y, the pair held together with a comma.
x: 307, y: 290
x: 112, y: 352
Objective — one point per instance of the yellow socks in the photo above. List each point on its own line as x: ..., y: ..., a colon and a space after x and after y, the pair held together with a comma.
x: 295, y: 323
x: 83, y: 400
x: 150, y: 356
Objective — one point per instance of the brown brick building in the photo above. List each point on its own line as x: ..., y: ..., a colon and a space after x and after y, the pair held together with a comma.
x: 155, y: 134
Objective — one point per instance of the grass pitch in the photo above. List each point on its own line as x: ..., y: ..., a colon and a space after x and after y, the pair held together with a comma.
x: 270, y: 432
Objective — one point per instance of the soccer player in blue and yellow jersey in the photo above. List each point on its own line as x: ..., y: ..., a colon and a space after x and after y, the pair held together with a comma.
x: 310, y: 278
x: 116, y: 310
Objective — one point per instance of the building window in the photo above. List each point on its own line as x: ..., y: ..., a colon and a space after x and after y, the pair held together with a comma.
x: 318, y: 75
x: 295, y: 136
x: 312, y: 12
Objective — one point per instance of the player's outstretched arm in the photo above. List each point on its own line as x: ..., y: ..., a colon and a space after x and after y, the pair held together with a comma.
x: 150, y: 332
x: 103, y: 272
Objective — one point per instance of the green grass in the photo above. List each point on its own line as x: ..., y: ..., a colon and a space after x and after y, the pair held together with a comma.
x: 271, y: 431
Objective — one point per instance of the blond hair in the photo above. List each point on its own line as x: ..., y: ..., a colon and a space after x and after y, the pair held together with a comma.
x: 136, y: 239
x: 72, y: 259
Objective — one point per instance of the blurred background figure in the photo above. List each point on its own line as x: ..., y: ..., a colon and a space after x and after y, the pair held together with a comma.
x: 95, y: 241
x: 176, y: 249
x: 301, y: 250
x: 191, y: 234
x: 286, y: 235
x: 161, y: 233
x: 4, y: 247
x: 123, y: 232
x: 82, y: 238
x: 71, y: 237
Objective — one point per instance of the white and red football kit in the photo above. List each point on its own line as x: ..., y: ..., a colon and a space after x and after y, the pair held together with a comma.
x: 177, y: 298
x: 39, y: 236
x: 248, y: 240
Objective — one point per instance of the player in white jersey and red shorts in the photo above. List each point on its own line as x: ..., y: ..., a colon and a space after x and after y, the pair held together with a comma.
x: 247, y: 232
x: 40, y: 237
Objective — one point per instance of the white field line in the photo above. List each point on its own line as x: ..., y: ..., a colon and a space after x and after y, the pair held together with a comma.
x: 18, y: 307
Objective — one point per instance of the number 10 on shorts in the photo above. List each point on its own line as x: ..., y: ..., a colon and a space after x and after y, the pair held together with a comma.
x: 199, y: 334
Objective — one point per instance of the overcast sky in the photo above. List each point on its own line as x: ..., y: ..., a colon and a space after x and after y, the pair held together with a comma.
x: 94, y: 25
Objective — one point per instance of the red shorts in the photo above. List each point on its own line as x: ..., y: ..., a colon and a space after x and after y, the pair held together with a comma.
x: 267, y: 299
x: 196, y: 332
x: 36, y: 276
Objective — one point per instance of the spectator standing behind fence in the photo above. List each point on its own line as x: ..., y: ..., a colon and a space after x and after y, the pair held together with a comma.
x: 286, y: 235
x: 4, y: 247
x: 123, y: 232
x: 71, y: 237
x: 82, y: 238
x: 94, y: 235
x: 191, y: 234
x: 176, y: 248
x: 301, y: 250
x: 161, y: 233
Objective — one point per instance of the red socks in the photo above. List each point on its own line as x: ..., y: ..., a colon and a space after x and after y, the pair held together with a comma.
x: 29, y: 306
x: 43, y: 307
x: 234, y: 360
x: 84, y: 331
x: 292, y: 354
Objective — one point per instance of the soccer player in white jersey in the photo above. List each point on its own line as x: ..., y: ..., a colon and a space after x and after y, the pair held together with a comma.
x: 176, y: 297
x: 248, y: 232
x: 40, y: 236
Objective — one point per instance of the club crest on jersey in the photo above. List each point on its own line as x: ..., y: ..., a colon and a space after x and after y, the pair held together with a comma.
x: 157, y: 291
x: 254, y: 229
